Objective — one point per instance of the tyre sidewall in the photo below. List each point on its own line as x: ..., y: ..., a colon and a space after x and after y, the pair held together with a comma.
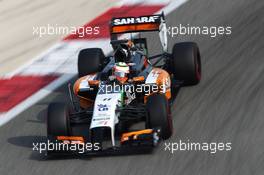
x: 58, y: 123
x: 159, y: 114
x: 186, y: 63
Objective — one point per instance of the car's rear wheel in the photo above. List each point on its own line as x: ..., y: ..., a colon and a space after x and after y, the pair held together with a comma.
x: 90, y: 61
x: 186, y: 63
x: 159, y: 115
x: 58, y: 122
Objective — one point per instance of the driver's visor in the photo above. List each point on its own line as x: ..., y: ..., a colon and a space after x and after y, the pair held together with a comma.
x: 120, y: 74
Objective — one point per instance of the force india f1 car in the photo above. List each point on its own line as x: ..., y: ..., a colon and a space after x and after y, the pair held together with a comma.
x: 111, y: 95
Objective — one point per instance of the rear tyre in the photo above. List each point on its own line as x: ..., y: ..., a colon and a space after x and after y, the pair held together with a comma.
x: 58, y: 122
x: 186, y: 63
x: 159, y: 115
x: 90, y: 61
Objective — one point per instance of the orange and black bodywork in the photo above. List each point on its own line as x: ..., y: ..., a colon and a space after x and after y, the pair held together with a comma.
x: 86, y: 97
x: 157, y: 77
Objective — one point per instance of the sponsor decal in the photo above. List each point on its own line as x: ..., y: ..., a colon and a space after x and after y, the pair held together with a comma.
x: 99, y: 119
x: 107, y: 99
x: 102, y: 107
x: 132, y: 20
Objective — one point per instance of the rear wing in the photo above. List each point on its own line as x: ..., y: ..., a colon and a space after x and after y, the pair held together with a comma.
x: 140, y: 24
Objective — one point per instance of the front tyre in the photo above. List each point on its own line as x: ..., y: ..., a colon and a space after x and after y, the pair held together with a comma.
x: 159, y: 115
x: 186, y: 63
x: 58, y: 122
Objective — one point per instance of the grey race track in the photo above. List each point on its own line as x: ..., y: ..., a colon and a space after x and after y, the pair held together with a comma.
x: 227, y: 106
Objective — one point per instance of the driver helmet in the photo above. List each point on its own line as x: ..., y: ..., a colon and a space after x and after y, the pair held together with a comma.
x: 121, y: 71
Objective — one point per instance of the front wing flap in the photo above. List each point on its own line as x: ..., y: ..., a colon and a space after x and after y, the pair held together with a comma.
x: 137, y: 142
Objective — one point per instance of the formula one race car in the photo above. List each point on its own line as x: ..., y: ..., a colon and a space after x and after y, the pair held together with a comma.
x: 115, y: 93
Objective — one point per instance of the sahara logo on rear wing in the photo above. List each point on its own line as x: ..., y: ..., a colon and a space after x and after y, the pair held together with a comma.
x: 138, y: 20
x: 136, y: 24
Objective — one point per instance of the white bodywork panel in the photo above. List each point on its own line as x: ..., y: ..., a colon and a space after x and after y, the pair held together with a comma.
x: 104, y: 114
x: 152, y: 77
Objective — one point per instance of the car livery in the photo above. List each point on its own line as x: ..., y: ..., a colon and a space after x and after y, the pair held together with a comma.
x: 112, y: 93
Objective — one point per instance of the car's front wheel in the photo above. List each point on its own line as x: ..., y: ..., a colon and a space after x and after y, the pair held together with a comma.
x: 159, y: 115
x: 58, y: 122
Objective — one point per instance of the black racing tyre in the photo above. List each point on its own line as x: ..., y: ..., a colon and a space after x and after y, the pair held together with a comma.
x: 159, y: 115
x: 58, y: 121
x: 90, y: 61
x: 186, y: 63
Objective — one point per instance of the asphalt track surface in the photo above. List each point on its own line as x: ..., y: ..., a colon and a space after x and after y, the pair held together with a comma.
x: 226, y: 107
